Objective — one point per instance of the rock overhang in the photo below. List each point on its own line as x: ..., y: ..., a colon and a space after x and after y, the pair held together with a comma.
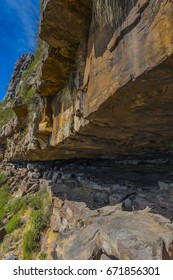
x: 122, y: 105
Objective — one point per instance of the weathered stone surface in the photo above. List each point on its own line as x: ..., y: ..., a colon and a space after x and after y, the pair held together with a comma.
x: 63, y: 34
x: 57, y: 203
x: 34, y: 188
x: 9, y: 130
x: 101, y: 197
x: 55, y: 223
x: 85, y: 247
x: 118, y: 72
x: 34, y: 175
x: 21, y: 111
x: 118, y: 234
x: 129, y: 244
x: 21, y: 65
x: 10, y: 258
x: 104, y: 257
x: 128, y: 53
x: 121, y: 66
x: 118, y: 197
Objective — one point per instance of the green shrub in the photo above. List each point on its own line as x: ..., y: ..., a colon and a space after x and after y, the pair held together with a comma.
x: 4, y: 198
x: 6, y: 114
x: 35, y: 202
x: 30, y: 243
x: 13, y: 223
x: 31, y: 240
x: 16, y: 205
x: 2, y: 178
x: 42, y: 256
x: 39, y: 220
x: 39, y: 200
x: 27, y: 95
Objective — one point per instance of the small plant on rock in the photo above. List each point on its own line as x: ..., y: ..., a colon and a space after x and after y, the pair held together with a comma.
x: 13, y: 224
x: 42, y: 256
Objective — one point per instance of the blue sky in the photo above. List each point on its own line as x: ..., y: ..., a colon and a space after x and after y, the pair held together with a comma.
x: 19, y: 21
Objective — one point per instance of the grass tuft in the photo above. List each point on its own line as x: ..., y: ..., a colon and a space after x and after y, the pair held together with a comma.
x: 13, y: 224
x: 39, y: 221
x: 4, y: 198
x: 6, y: 115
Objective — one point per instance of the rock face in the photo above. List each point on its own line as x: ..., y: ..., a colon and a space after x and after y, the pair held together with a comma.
x: 20, y: 66
x: 63, y: 35
x: 118, y: 235
x: 120, y: 101
x: 105, y: 88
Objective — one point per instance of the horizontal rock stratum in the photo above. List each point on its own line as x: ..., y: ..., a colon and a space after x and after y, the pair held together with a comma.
x: 104, y: 81
x: 123, y: 74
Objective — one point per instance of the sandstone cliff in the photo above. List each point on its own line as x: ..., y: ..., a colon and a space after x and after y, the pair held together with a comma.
x: 105, y: 88
x: 21, y: 65
x: 98, y: 89
x: 122, y: 70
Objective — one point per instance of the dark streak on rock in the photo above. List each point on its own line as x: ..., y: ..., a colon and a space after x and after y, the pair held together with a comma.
x: 129, y: 28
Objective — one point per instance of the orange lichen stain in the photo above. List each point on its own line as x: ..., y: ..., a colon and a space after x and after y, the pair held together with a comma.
x: 167, y: 39
x: 52, y: 236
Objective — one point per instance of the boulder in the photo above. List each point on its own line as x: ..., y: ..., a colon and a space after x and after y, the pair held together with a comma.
x: 101, y: 197
x: 10, y: 258
x: 137, y: 235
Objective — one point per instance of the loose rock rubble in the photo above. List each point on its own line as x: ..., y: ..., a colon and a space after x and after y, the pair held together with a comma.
x: 102, y: 210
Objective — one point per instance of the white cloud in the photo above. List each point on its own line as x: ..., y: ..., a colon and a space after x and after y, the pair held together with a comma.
x: 27, y: 11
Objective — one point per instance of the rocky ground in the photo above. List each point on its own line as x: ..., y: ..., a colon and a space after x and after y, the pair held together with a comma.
x: 100, y: 209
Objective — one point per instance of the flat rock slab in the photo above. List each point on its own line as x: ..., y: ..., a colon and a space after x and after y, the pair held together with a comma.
x: 121, y: 235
